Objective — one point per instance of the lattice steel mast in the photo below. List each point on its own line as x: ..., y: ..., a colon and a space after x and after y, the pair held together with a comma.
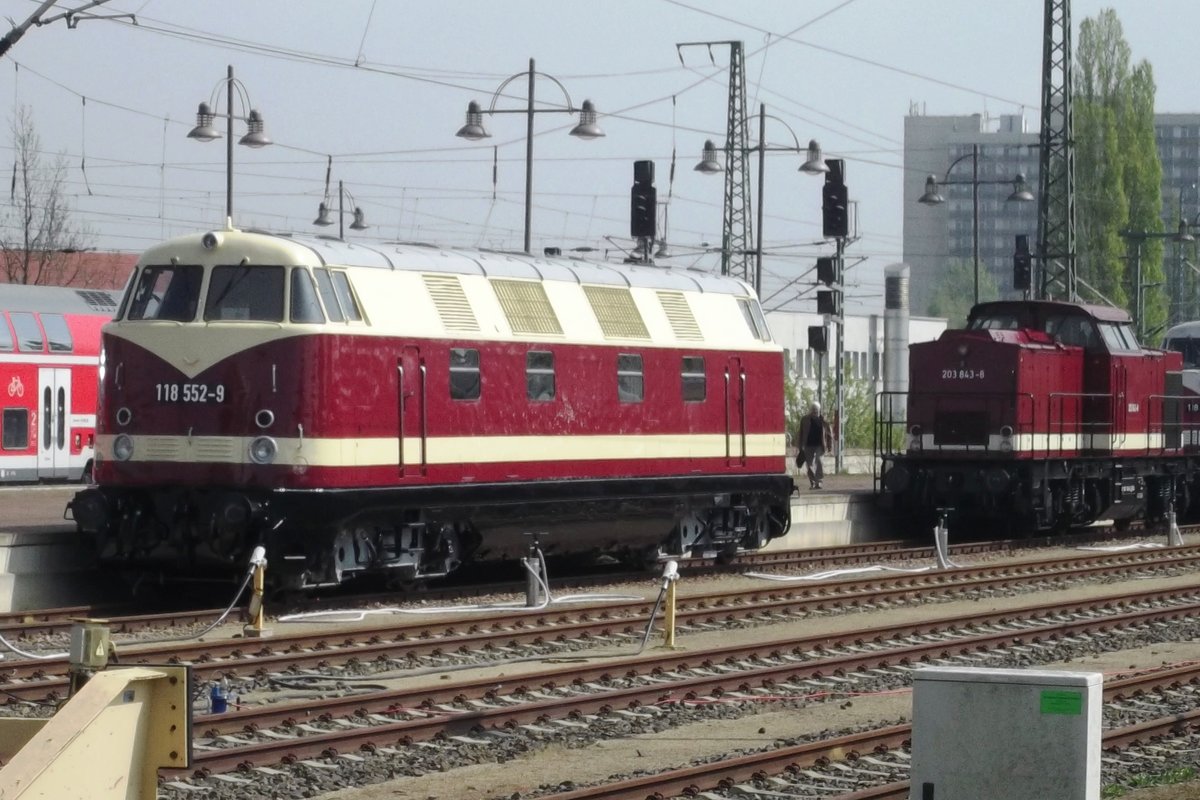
x: 735, y: 235
x: 1056, y: 180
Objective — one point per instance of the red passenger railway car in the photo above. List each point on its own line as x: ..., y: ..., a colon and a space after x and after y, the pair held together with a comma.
x: 1040, y: 415
x: 403, y: 409
x: 49, y: 355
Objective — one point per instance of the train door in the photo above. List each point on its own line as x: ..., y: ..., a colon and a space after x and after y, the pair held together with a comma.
x: 735, y: 413
x: 411, y: 384
x: 54, y: 398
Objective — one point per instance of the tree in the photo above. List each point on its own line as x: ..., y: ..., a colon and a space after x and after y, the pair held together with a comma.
x: 38, y: 235
x: 955, y: 293
x: 1117, y: 170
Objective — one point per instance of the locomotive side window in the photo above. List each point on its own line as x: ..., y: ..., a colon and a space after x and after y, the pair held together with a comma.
x: 692, y: 375
x: 58, y: 333
x: 305, y: 305
x: 345, y: 296
x: 168, y: 293
x: 464, y: 373
x: 539, y: 375
x: 754, y: 318
x: 16, y: 429
x: 337, y: 295
x: 631, y: 386
x: 6, y: 337
x: 29, y: 333
x: 245, y: 294
x: 328, y: 295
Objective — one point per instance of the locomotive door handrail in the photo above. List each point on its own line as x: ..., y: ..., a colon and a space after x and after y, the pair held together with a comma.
x: 742, y: 411
x: 422, y: 419
x: 1086, y: 438
x: 727, y: 447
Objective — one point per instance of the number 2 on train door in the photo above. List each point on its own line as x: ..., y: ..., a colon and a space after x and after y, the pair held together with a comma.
x: 410, y: 384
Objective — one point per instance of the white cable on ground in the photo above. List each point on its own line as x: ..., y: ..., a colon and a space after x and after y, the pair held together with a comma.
x: 1117, y: 548
x: 43, y: 656
x: 540, y: 575
x: 835, y: 573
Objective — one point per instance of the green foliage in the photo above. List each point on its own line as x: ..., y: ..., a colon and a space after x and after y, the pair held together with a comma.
x: 858, y: 401
x: 1117, y: 170
x: 955, y: 293
x: 1168, y: 778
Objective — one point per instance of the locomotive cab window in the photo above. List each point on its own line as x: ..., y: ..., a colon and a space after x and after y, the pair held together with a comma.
x: 464, y: 373
x: 692, y: 375
x: 631, y: 386
x: 1073, y: 330
x: 1190, y: 348
x: 29, y: 333
x: 1000, y: 321
x: 166, y: 293
x: 245, y: 294
x: 306, y: 307
x: 539, y: 375
x: 16, y: 429
x: 58, y: 333
x: 1119, y: 338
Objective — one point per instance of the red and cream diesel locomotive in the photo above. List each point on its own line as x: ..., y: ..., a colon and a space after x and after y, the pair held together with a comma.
x: 1041, y: 415
x: 49, y: 354
x: 401, y: 409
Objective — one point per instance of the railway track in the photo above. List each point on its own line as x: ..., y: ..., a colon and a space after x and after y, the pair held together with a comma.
x: 582, y: 694
x: 23, y: 627
x: 401, y: 645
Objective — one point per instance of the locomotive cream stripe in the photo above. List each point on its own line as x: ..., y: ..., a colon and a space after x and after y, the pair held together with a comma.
x: 446, y: 450
x: 1054, y: 442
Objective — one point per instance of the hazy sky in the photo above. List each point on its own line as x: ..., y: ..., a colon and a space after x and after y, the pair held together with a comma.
x: 382, y: 87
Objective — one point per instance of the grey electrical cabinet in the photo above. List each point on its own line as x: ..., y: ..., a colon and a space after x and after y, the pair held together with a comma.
x: 1006, y: 734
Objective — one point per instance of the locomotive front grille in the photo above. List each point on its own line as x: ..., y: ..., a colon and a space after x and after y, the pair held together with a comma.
x: 215, y: 448
x: 163, y: 448
x: 960, y: 428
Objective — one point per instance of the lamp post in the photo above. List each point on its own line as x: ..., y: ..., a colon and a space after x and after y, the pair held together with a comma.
x: 1020, y: 194
x: 814, y: 164
x: 474, y: 129
x: 358, y: 224
x: 1180, y: 236
x: 205, y: 132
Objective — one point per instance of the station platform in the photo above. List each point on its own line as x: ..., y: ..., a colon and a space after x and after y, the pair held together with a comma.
x: 842, y: 511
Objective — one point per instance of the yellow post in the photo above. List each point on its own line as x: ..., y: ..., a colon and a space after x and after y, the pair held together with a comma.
x: 670, y: 578
x: 256, y: 628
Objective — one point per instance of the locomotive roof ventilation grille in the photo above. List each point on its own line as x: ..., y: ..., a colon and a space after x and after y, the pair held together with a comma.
x: 526, y: 307
x: 451, y: 303
x: 679, y: 314
x: 616, y: 312
x: 101, y: 301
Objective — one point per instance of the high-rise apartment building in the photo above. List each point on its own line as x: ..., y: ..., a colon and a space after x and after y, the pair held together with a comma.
x: 1007, y: 145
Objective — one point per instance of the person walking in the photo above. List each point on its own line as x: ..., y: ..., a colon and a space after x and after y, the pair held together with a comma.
x: 816, y: 437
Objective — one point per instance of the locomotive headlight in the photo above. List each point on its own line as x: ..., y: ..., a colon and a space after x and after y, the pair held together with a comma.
x: 1006, y: 442
x: 263, y: 450
x: 914, y: 438
x: 963, y: 349
x: 123, y: 447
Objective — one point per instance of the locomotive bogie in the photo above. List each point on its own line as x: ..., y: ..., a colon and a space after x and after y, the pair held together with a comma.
x: 403, y: 412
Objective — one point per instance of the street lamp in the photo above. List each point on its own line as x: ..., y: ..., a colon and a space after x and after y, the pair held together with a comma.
x: 359, y: 223
x: 814, y: 164
x: 205, y: 131
x: 1180, y: 236
x: 931, y: 197
x: 474, y: 129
